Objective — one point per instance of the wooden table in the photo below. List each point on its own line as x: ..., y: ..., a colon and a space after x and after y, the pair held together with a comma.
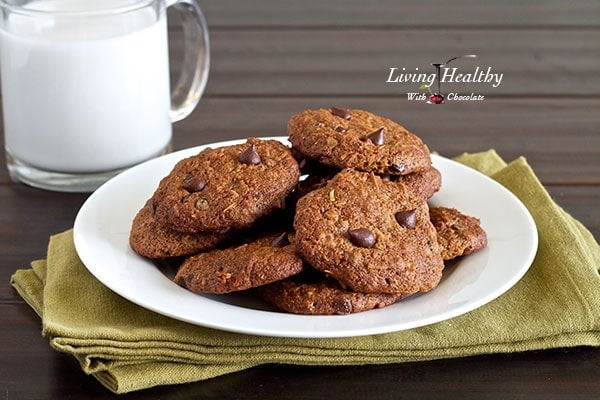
x: 271, y: 59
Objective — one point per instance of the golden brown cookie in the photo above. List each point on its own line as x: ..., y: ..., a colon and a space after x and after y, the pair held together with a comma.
x: 372, y: 235
x: 423, y: 184
x: 252, y: 264
x: 357, y: 139
x: 458, y: 234
x: 150, y: 239
x: 226, y: 187
x: 326, y: 297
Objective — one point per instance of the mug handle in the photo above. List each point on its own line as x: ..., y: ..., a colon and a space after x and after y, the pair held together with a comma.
x: 196, y: 60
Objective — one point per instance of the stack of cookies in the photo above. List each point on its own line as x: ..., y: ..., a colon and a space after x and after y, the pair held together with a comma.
x: 337, y: 224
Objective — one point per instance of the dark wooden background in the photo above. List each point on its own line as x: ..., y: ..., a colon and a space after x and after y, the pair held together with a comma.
x: 271, y: 59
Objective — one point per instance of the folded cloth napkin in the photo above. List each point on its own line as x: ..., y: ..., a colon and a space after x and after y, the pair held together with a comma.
x: 556, y: 304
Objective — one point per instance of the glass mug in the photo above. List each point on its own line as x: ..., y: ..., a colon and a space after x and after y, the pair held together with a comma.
x: 86, y: 88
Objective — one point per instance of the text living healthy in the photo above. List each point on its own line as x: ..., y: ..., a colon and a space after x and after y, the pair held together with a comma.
x: 451, y: 75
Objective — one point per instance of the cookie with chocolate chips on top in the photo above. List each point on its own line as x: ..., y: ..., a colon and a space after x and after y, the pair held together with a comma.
x: 226, y: 187
x: 371, y: 235
x: 357, y: 139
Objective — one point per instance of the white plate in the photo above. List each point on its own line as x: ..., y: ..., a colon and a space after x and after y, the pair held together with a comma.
x: 102, y: 228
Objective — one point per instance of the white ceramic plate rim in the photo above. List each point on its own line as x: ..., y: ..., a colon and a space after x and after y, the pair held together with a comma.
x: 101, y: 233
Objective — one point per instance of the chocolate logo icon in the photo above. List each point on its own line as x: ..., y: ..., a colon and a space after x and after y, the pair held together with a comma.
x: 438, y: 97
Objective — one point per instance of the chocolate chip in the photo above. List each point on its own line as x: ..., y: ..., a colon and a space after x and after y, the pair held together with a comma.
x: 397, y: 169
x: 377, y: 136
x: 407, y: 219
x: 340, y: 129
x: 250, y: 156
x: 193, y: 184
x: 341, y: 306
x: 339, y: 112
x: 362, y: 237
x: 281, y: 240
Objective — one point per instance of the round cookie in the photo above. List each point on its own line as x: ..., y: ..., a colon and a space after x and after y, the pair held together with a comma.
x: 372, y: 235
x: 265, y: 260
x: 150, y: 239
x: 226, y: 187
x: 321, y: 298
x: 357, y: 139
x: 458, y: 234
x: 423, y: 184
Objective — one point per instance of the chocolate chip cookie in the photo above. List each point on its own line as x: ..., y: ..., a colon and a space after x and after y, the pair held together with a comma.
x: 265, y: 260
x: 357, y: 139
x: 151, y: 239
x: 458, y: 234
x: 226, y: 187
x: 321, y: 298
x: 423, y: 184
x: 371, y: 235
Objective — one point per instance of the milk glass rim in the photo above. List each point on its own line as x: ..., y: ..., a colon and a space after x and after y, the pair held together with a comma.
x: 130, y: 6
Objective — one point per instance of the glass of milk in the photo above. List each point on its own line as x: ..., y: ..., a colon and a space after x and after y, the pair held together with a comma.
x: 86, y: 88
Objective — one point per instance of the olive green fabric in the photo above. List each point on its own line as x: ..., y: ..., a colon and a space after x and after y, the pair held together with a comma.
x: 556, y: 304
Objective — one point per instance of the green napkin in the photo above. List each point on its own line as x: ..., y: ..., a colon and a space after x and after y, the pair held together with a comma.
x: 556, y: 304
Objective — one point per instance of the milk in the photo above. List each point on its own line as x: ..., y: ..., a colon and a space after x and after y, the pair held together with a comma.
x: 83, y: 95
